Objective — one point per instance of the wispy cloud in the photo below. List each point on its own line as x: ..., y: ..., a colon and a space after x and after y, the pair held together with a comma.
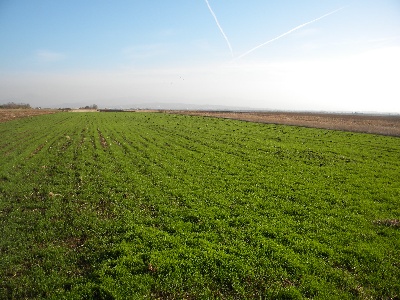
x: 286, y: 33
x: 220, y: 28
x: 49, y: 56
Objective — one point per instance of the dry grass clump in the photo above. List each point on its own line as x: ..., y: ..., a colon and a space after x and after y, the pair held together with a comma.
x: 388, y: 222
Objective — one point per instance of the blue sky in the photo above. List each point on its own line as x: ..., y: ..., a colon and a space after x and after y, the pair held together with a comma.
x: 57, y: 53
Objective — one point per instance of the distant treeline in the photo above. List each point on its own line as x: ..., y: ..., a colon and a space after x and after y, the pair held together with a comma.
x: 12, y: 105
x: 94, y: 106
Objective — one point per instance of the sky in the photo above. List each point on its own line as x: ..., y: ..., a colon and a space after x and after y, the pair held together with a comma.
x: 310, y: 55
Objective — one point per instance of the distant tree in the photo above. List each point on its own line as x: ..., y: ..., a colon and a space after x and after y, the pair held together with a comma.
x: 12, y: 105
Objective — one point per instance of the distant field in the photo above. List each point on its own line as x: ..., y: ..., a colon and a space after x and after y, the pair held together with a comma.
x: 378, y: 124
x: 166, y: 206
x: 12, y: 114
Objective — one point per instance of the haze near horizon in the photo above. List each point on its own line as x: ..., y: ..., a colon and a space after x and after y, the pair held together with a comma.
x: 287, y: 55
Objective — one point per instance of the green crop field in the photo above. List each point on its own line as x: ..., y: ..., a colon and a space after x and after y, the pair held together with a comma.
x: 158, y: 206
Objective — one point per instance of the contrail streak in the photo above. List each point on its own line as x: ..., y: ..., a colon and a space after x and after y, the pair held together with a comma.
x: 288, y: 32
x: 220, y: 28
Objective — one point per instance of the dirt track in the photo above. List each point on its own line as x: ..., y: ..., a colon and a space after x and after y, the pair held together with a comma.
x: 377, y: 124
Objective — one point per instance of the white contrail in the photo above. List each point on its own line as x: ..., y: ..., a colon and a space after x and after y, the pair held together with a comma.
x: 220, y: 28
x: 286, y: 33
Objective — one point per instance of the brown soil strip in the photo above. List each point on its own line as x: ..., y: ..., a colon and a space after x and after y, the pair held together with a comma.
x: 37, y: 150
x: 103, y: 141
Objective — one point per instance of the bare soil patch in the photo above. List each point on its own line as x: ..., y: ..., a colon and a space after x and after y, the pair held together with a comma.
x: 376, y: 124
x: 12, y: 114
